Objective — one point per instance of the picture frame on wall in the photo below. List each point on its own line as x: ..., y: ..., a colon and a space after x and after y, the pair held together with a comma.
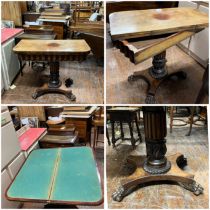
x: 33, y: 122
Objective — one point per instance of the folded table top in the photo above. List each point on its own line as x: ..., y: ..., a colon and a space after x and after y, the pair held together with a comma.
x: 63, y: 175
x: 52, y: 46
x: 142, y: 23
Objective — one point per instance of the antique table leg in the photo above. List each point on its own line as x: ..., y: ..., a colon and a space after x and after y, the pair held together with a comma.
x: 121, y: 130
x: 138, y: 130
x: 113, y: 134
x: 155, y: 166
x: 133, y: 142
x: 155, y: 75
x: 54, y: 85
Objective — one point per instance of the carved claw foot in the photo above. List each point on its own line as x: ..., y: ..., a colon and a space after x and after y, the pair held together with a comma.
x: 194, y: 187
x: 181, y: 161
x: 35, y: 95
x: 150, y: 99
x: 71, y: 96
x: 131, y: 78
x: 119, y: 194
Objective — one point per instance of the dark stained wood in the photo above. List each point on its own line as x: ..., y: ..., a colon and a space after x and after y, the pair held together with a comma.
x: 155, y: 166
x: 89, y: 88
x: 176, y: 174
x: 54, y: 141
x: 83, y: 126
x: 96, y: 43
x: 124, y: 115
x: 98, y: 123
x: 52, y: 51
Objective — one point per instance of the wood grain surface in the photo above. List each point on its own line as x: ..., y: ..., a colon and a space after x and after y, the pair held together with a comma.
x: 141, y: 23
x: 52, y: 46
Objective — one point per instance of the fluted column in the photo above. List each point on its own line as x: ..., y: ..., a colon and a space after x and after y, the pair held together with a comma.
x: 155, y: 133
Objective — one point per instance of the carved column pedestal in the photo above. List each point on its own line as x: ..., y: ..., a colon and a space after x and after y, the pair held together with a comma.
x: 155, y: 75
x: 155, y: 133
x: 155, y: 166
x: 54, y: 85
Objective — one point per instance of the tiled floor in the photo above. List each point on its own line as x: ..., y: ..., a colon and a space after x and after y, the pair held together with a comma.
x: 160, y: 196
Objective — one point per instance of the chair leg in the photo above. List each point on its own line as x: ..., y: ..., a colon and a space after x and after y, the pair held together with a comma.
x: 94, y: 138
x: 191, y: 121
x: 98, y: 129
x: 121, y: 130
x: 113, y: 134
x: 131, y: 134
x: 171, y: 118
x: 107, y: 136
x: 138, y: 130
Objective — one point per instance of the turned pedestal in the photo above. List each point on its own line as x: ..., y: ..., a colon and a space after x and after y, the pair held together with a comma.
x: 54, y: 85
x: 155, y: 166
x: 155, y: 75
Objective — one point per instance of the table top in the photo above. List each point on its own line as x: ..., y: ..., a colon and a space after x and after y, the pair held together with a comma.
x: 9, y: 33
x: 123, y: 109
x: 79, y: 114
x: 30, y: 136
x: 61, y: 175
x: 51, y: 46
x: 141, y: 23
x: 37, y: 36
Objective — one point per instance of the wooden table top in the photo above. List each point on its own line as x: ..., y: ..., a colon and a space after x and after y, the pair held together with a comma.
x: 123, y: 109
x: 61, y: 175
x: 37, y: 36
x: 51, y: 46
x: 141, y: 23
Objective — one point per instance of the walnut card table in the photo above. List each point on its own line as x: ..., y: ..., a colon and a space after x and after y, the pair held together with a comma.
x: 58, y: 176
x: 142, y: 34
x: 155, y: 166
x: 52, y: 51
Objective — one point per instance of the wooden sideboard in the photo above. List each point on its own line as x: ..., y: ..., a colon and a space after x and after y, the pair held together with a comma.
x: 83, y: 126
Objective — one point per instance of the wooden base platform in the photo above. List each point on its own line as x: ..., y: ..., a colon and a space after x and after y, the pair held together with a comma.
x: 139, y: 176
x: 45, y: 89
x: 153, y: 82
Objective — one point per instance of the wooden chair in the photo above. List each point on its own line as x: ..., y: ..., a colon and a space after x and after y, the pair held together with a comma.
x: 201, y: 117
x: 179, y: 118
x: 190, y: 118
x: 97, y: 122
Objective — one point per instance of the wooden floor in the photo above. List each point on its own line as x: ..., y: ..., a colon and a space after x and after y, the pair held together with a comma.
x: 163, y: 196
x: 120, y: 91
x: 88, y: 84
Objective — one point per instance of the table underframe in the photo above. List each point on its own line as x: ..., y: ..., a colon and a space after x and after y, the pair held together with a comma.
x: 155, y: 76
